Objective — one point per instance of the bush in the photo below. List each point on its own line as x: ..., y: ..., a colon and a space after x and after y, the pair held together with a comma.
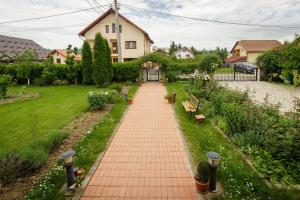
x: 21, y: 162
x: 4, y: 81
x: 114, y: 97
x: 60, y: 82
x: 116, y: 86
x: 257, y: 130
x: 126, y: 71
x: 97, y: 100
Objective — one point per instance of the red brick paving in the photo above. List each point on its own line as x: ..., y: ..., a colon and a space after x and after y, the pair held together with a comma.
x: 146, y: 158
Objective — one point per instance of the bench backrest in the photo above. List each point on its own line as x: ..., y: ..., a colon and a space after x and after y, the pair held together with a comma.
x: 194, y: 101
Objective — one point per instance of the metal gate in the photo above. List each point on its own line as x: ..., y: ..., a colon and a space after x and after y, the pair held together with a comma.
x: 153, y: 75
x: 231, y: 74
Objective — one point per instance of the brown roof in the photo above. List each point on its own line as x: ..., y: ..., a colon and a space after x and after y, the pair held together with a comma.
x: 105, y: 15
x: 12, y: 46
x: 63, y: 52
x: 257, y: 45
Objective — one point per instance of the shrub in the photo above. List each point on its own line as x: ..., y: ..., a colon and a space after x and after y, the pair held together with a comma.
x: 97, y: 100
x: 12, y: 167
x: 126, y: 71
x: 4, y: 81
x: 114, y: 96
x: 116, y: 86
x: 60, y: 82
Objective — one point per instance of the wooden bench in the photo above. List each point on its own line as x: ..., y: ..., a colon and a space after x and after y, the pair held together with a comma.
x: 192, y: 105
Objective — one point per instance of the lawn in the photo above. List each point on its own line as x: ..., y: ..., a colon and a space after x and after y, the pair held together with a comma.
x: 54, y: 108
x: 238, y: 179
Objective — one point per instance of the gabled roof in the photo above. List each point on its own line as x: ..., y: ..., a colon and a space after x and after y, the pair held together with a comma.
x: 64, y: 53
x: 108, y: 12
x: 12, y: 46
x: 182, y: 49
x: 257, y: 45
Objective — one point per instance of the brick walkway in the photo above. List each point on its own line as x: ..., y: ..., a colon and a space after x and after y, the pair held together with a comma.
x: 146, y: 159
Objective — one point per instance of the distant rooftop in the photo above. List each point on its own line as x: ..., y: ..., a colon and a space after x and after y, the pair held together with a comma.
x: 11, y: 47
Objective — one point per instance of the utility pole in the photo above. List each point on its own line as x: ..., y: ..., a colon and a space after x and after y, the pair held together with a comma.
x: 118, y: 31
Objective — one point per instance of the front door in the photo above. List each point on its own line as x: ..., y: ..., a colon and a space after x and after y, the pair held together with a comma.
x: 153, y: 75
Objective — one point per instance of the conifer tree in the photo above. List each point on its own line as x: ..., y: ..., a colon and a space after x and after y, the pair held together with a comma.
x: 87, y: 64
x: 109, y: 60
x: 100, y: 70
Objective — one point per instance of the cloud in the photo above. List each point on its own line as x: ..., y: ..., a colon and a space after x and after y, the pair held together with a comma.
x: 60, y: 31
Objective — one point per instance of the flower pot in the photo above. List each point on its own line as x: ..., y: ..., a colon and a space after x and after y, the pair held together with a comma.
x: 129, y: 101
x: 170, y: 100
x: 201, y: 187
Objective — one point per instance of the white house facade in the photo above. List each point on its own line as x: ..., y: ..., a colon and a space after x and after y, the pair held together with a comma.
x: 135, y: 42
x: 183, y: 53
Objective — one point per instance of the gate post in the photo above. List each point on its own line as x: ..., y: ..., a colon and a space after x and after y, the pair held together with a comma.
x: 234, y: 72
x: 258, y: 74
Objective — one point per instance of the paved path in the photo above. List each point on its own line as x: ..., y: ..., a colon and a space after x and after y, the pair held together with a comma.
x: 146, y: 159
x: 284, y: 95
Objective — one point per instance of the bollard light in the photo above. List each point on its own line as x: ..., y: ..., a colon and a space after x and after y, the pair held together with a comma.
x: 68, y: 161
x: 213, y: 160
x: 126, y: 96
x: 174, y: 96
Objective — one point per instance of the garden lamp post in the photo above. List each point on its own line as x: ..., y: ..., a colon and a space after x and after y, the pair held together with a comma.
x: 174, y: 96
x: 126, y: 96
x: 213, y: 160
x: 68, y: 163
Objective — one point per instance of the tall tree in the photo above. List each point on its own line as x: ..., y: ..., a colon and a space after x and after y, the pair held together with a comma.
x: 87, y: 64
x: 173, y: 48
x: 100, y: 74
x: 109, y: 60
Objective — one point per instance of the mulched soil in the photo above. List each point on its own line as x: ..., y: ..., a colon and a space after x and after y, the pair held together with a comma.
x: 77, y: 130
x: 23, y: 97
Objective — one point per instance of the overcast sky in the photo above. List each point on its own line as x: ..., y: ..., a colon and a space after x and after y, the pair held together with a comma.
x: 58, y: 32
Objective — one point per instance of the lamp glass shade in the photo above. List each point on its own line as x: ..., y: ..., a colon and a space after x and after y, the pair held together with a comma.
x: 213, y: 158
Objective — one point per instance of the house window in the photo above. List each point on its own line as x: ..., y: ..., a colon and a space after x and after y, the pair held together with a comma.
x: 187, y: 55
x: 113, y: 28
x: 107, y: 28
x: 130, y: 44
x: 179, y: 56
x: 58, y: 60
x: 114, y: 60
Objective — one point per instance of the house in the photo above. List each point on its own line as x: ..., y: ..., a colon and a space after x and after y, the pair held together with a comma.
x: 11, y: 47
x: 60, y: 55
x: 184, y: 53
x: 135, y: 42
x: 250, y: 50
x: 160, y: 49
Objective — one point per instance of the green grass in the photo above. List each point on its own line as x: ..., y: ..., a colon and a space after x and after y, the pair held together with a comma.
x: 87, y: 151
x: 238, y: 179
x: 56, y: 107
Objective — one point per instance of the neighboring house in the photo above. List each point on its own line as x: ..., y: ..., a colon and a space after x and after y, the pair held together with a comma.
x: 160, y: 49
x: 135, y: 42
x: 250, y: 50
x: 11, y: 47
x: 183, y: 53
x: 60, y: 55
